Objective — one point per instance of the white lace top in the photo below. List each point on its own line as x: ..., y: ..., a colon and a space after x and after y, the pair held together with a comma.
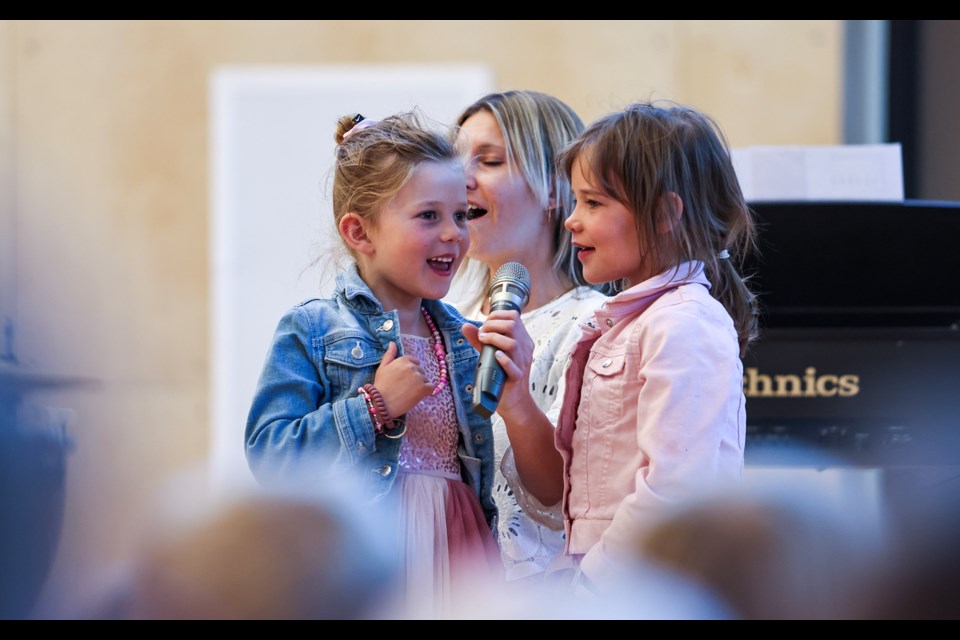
x: 530, y: 534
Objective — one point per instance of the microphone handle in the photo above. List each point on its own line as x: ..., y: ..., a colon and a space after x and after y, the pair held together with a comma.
x: 489, y: 383
x: 490, y: 377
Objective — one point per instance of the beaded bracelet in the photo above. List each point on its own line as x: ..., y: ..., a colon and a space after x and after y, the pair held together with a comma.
x: 377, y: 425
x: 377, y: 399
x: 378, y: 411
x: 398, y: 427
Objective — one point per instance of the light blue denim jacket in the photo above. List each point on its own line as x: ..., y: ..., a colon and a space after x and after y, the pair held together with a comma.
x: 306, y: 416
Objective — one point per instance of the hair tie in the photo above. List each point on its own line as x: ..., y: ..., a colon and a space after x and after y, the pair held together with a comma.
x: 360, y: 123
x: 723, y: 255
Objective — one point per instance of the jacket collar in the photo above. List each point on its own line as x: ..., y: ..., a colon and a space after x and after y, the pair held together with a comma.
x: 685, y: 273
x: 355, y: 291
x: 640, y: 296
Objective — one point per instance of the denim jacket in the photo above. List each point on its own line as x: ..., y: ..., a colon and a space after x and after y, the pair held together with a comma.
x: 307, y: 417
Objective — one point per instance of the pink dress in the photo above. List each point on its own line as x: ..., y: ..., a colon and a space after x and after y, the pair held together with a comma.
x: 446, y: 537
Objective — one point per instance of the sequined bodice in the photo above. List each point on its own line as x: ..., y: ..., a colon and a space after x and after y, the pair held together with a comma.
x: 430, y: 443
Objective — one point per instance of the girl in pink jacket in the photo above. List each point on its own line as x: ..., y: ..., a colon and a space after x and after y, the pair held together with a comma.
x: 654, y: 411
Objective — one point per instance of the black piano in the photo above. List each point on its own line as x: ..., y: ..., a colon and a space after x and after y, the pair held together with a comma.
x: 858, y: 361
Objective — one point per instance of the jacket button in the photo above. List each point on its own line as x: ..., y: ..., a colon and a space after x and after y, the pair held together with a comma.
x: 478, y: 437
x: 387, y: 325
x: 384, y: 470
x: 361, y: 448
x: 609, y: 322
x: 468, y: 388
x: 606, y: 363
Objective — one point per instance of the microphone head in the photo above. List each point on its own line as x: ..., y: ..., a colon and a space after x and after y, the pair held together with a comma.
x: 510, y: 287
x: 509, y: 291
x: 513, y: 271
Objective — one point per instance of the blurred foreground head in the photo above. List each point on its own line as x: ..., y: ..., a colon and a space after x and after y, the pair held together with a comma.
x: 773, y: 555
x: 260, y: 557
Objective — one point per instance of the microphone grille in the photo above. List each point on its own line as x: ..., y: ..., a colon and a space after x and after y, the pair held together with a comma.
x: 512, y: 272
x: 512, y: 279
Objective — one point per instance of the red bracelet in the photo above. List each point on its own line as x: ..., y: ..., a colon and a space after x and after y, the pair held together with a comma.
x: 378, y: 403
x: 390, y: 427
x: 374, y: 417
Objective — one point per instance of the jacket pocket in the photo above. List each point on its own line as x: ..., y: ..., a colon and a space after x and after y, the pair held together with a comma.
x: 603, y: 388
x: 351, y: 359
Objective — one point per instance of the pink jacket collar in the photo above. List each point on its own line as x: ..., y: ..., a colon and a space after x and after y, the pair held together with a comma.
x: 638, y: 297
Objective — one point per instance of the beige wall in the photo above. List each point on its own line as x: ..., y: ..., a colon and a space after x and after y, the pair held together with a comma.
x: 104, y: 134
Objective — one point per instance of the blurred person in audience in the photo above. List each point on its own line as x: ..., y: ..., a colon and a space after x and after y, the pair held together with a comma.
x: 774, y: 554
x: 278, y: 554
x: 34, y: 450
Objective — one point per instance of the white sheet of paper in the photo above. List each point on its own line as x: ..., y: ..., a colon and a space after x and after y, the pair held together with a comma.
x: 869, y: 172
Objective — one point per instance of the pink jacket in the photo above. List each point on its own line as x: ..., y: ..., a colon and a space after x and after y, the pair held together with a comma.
x: 660, y: 415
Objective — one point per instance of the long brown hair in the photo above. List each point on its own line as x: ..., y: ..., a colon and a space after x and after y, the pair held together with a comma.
x: 642, y: 154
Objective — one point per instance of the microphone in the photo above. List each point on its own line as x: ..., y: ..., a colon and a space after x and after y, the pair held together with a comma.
x: 510, y: 289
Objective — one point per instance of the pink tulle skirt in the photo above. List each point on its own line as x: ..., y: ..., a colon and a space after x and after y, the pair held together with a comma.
x: 447, y: 543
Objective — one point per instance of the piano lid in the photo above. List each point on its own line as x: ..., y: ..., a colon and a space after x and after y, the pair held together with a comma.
x: 857, y: 264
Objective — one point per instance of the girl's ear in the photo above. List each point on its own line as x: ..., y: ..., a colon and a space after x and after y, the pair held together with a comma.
x: 669, y: 212
x: 354, y: 233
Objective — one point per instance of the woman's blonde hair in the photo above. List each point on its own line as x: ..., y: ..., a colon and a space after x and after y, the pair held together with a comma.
x: 535, y: 127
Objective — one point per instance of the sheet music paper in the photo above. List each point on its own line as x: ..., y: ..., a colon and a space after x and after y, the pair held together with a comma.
x: 868, y: 172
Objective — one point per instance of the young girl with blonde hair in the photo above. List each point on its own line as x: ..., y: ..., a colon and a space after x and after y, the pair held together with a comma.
x: 376, y: 378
